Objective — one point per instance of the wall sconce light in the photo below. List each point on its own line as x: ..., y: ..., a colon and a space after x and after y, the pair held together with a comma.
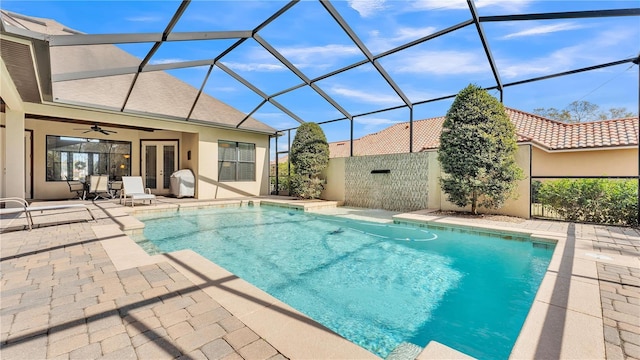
x: 126, y: 156
x: 121, y: 166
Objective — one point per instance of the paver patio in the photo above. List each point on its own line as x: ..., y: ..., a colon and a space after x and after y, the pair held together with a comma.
x: 65, y: 296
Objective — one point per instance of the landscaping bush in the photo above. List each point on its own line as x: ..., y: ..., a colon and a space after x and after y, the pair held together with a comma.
x: 309, y: 156
x: 601, y: 201
x: 478, y: 151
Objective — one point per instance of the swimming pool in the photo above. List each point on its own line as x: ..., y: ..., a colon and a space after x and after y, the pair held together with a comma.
x: 378, y: 285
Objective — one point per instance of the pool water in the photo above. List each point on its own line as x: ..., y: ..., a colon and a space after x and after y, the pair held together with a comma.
x: 377, y: 285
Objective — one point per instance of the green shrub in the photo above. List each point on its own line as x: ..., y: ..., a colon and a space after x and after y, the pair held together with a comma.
x: 478, y: 151
x: 601, y: 201
x: 283, y: 176
x: 305, y: 187
x: 309, y: 156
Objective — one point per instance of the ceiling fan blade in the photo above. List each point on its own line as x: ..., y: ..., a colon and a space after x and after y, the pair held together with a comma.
x: 84, y: 132
x: 103, y: 131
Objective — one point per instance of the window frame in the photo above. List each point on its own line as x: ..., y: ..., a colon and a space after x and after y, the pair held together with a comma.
x: 236, y: 161
x: 90, y: 159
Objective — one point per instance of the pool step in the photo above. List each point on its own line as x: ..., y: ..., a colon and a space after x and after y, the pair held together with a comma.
x: 405, y: 351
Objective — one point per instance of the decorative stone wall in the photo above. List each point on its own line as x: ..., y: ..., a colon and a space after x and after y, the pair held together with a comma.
x: 403, y: 188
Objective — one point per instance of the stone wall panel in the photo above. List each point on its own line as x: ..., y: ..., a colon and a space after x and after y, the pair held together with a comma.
x: 404, y: 188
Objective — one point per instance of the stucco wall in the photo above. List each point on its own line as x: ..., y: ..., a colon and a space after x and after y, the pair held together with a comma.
x: 515, y: 206
x: 412, y: 184
x: 335, y: 180
x: 620, y: 162
x: 209, y: 186
x: 58, y: 189
x: 201, y: 141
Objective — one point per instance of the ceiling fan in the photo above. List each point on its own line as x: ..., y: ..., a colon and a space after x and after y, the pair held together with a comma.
x: 97, y: 128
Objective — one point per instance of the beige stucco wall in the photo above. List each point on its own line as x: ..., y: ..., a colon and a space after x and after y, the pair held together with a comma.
x: 335, y: 180
x: 616, y: 162
x: 416, y: 184
x: 201, y: 140
x: 209, y: 186
x: 517, y: 205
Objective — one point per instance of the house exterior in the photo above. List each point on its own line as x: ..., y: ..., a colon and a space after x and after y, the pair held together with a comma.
x: 58, y: 122
x: 547, y: 149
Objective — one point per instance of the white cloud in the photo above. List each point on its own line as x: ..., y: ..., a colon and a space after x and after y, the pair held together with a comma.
x: 559, y: 60
x: 511, y: 5
x: 166, y: 61
x: 368, y: 96
x: 318, y: 56
x: 447, y: 62
x: 401, y: 35
x: 224, y: 89
x: 271, y: 115
x: 371, y: 124
x: 367, y: 8
x: 259, y: 67
x: 143, y: 18
x: 543, y: 29
x: 596, y: 50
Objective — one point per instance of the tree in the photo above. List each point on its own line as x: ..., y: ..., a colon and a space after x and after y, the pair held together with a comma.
x: 554, y: 114
x: 309, y: 156
x: 477, y: 151
x: 582, y: 111
x: 616, y: 113
x: 283, y: 175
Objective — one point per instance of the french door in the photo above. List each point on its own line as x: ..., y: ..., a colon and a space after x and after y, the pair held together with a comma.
x: 159, y: 161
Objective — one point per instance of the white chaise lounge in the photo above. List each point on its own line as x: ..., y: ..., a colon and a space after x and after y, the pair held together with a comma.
x: 133, y: 189
x: 28, y: 209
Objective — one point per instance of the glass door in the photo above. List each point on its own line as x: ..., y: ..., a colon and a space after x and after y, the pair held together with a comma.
x: 159, y: 161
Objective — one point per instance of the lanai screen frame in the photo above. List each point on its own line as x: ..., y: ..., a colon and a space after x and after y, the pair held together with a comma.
x: 168, y: 35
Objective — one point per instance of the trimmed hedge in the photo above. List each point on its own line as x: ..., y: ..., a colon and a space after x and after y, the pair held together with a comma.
x: 602, y: 201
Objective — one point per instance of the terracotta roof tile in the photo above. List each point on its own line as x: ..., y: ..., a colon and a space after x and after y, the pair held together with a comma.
x: 549, y: 134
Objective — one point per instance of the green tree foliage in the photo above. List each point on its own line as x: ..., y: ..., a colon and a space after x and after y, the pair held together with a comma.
x: 601, y: 201
x: 477, y: 151
x: 283, y: 175
x: 310, y: 156
x: 582, y: 111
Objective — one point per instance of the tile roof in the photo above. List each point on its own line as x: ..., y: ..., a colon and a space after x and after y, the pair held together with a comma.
x: 155, y: 92
x: 548, y: 134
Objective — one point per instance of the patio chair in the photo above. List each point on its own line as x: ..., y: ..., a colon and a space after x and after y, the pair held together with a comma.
x: 77, y: 187
x: 114, y: 188
x: 133, y: 189
x: 99, y: 186
x: 27, y: 209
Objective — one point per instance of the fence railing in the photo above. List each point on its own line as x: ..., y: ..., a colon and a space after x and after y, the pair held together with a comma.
x: 283, y: 185
x: 592, y: 199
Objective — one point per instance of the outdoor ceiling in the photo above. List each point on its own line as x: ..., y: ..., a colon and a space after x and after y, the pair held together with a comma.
x: 331, y: 63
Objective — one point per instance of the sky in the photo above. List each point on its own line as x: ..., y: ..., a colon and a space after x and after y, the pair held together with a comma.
x: 310, y: 39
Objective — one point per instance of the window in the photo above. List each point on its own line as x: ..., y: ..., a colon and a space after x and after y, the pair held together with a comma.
x: 236, y: 161
x: 76, y: 158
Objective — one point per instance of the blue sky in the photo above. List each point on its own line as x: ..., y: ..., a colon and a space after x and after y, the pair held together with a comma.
x: 307, y: 35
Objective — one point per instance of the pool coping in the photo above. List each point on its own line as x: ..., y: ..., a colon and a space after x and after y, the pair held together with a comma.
x: 566, y: 305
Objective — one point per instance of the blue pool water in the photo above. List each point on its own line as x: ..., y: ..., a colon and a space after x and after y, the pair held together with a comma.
x: 378, y: 285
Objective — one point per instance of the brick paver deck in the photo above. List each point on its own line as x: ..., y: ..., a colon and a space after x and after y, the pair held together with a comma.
x: 62, y: 298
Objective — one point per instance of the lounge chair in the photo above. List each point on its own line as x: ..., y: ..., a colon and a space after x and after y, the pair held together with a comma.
x: 133, y: 189
x: 77, y: 187
x: 27, y: 209
x: 99, y: 186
